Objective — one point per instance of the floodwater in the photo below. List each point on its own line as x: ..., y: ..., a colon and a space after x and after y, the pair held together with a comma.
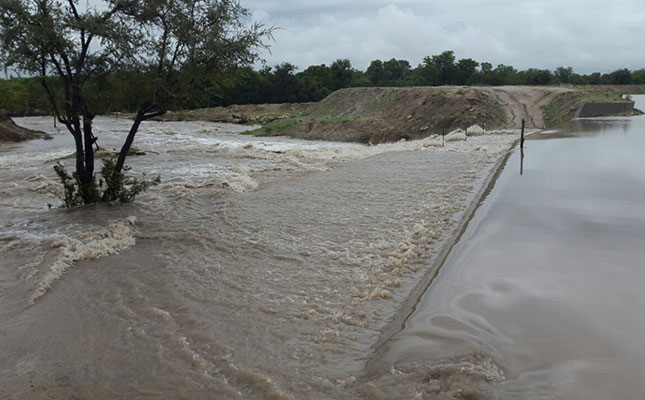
x: 543, y: 296
x: 259, y: 268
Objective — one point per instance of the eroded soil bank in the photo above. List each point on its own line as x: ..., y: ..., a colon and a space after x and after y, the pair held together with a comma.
x: 385, y: 115
x: 10, y: 132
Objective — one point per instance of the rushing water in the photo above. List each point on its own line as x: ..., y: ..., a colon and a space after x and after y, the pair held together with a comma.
x: 543, y: 296
x: 259, y: 268
x: 270, y: 268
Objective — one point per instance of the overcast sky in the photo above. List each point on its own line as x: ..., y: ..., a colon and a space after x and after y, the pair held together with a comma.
x: 589, y: 35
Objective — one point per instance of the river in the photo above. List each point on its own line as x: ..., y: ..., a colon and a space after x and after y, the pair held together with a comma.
x: 542, y: 298
x: 260, y: 268
x: 272, y: 268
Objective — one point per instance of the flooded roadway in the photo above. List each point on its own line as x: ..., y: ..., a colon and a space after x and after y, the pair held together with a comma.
x: 543, y: 296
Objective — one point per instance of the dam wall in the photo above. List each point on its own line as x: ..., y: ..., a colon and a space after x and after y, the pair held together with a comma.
x: 604, y: 109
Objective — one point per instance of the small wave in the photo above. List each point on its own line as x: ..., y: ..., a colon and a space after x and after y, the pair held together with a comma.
x: 466, y: 377
x: 237, y: 179
x: 42, y: 184
x: 110, y: 240
x: 7, y: 161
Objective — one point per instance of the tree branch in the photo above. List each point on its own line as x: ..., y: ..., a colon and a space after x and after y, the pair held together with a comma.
x: 153, y: 115
x: 74, y: 10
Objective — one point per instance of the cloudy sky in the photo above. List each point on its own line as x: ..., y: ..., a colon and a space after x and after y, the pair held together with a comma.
x: 589, y: 35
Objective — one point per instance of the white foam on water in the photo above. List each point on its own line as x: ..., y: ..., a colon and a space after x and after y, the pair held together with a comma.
x: 92, y: 245
x: 475, y: 130
x: 456, y: 135
x: 236, y: 179
x: 12, y: 160
x: 465, y: 377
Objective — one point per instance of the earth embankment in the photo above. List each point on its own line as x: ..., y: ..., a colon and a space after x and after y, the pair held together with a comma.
x: 378, y: 115
x: 239, y: 114
x: 10, y: 132
x: 618, y: 89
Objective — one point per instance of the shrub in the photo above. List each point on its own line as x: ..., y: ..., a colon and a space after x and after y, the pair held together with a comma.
x: 113, y: 186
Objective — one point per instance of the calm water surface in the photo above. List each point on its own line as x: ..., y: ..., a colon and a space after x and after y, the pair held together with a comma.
x: 548, y: 280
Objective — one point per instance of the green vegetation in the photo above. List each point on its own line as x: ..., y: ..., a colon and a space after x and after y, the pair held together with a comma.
x: 130, y: 54
x: 276, y: 128
x: 112, y: 187
x: 496, y: 110
x: 559, y: 111
x: 123, y: 90
x: 595, y: 96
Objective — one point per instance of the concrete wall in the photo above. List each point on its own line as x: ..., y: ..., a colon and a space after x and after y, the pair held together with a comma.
x: 604, y: 109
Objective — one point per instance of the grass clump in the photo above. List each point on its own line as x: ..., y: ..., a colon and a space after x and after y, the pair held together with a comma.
x: 496, y: 110
x: 284, y: 127
x: 597, y: 96
x: 276, y: 128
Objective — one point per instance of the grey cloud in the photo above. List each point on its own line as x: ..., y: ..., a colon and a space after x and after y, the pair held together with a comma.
x: 588, y: 35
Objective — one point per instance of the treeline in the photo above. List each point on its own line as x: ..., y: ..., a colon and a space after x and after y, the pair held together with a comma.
x: 283, y: 83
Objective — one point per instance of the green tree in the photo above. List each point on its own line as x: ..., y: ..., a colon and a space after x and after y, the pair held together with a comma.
x: 564, y: 74
x: 169, y: 41
x: 389, y: 73
x: 593, y: 79
x: 536, y: 76
x: 285, y: 84
x: 485, y: 74
x: 445, y: 67
x: 316, y: 82
x: 427, y: 74
x: 620, y: 77
x: 505, y: 75
x: 466, y: 71
x: 341, y: 74
x: 395, y: 71
x: 638, y: 77
x: 376, y: 73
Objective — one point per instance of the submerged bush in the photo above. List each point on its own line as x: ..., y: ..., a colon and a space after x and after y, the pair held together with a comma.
x: 112, y: 187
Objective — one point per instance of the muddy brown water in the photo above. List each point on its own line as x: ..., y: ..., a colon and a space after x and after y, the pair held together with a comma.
x: 266, y: 268
x: 261, y: 268
x: 547, y: 281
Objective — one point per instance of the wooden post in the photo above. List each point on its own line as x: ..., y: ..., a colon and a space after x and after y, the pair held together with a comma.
x: 522, y: 137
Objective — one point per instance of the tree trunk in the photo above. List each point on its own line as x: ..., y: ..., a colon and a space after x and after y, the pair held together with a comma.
x: 84, y: 139
x: 88, y: 190
x: 128, y: 141
x: 146, y: 112
x: 89, y: 142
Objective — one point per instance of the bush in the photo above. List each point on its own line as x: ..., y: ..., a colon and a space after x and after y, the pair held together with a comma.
x: 112, y: 187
